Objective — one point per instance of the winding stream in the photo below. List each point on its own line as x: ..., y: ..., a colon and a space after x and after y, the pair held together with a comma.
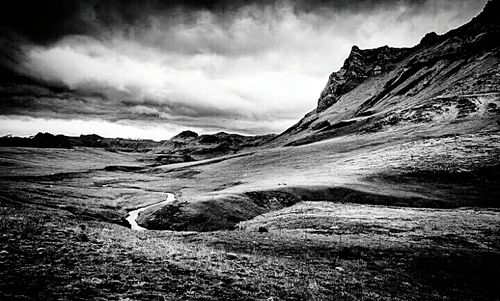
x: 132, y: 215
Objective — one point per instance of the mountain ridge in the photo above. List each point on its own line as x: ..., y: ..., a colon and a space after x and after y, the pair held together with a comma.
x: 190, y: 146
x: 375, y: 85
x: 183, y: 147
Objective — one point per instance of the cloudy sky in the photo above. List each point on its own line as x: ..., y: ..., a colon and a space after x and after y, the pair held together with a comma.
x: 149, y: 69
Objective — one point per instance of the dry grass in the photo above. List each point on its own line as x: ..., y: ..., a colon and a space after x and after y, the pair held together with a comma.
x: 25, y: 226
x: 70, y: 258
x: 61, y: 239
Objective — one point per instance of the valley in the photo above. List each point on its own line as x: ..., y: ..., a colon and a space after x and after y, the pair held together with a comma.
x: 388, y: 190
x: 358, y: 224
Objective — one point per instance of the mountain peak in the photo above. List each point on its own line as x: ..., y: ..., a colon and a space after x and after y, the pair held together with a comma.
x: 384, y: 88
x: 359, y: 65
x: 362, y: 64
x: 185, y: 135
x: 429, y: 38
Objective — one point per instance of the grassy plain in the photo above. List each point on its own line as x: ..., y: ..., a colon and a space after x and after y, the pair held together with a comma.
x: 353, y: 218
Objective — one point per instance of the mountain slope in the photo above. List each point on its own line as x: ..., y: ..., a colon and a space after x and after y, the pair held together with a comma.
x: 414, y: 127
x: 444, y: 85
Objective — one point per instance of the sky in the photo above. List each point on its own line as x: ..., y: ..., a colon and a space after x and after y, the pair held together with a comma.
x: 150, y: 69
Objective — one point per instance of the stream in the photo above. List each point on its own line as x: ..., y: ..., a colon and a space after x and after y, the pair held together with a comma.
x: 132, y: 215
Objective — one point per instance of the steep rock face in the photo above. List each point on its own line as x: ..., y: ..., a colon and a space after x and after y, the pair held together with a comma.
x: 447, y: 84
x: 360, y: 65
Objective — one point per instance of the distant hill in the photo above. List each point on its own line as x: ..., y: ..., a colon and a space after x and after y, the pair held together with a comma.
x: 447, y: 84
x: 189, y: 146
x: 186, y: 146
x: 47, y: 140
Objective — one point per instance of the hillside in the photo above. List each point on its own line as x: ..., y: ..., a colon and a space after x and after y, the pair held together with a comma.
x: 447, y: 84
x: 406, y: 127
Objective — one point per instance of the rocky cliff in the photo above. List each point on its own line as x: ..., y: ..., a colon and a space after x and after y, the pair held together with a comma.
x: 446, y: 84
x: 360, y: 65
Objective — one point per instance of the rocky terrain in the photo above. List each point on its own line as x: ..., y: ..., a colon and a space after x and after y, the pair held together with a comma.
x: 387, y: 190
x: 359, y: 66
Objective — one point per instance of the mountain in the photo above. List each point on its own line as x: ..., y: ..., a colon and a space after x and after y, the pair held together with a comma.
x: 189, y: 146
x: 48, y: 140
x: 184, y: 147
x: 414, y: 127
x: 447, y: 84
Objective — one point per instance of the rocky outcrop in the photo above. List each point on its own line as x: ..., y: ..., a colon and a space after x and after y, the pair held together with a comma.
x: 360, y: 65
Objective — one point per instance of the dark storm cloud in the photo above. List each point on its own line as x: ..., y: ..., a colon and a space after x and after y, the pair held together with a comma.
x: 47, y: 21
x: 247, y: 66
